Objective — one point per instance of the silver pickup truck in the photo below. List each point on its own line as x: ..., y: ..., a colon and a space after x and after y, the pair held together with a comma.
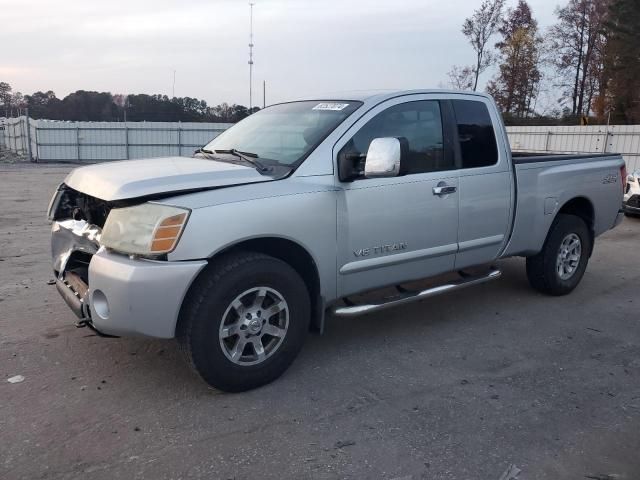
x: 239, y: 251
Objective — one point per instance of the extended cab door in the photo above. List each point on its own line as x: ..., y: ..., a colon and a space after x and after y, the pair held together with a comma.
x: 396, y: 229
x: 486, y: 181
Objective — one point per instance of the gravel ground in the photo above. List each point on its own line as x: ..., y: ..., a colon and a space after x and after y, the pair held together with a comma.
x: 457, y: 387
x: 7, y: 156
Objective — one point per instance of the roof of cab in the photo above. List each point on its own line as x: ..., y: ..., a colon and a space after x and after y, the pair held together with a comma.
x: 381, y: 95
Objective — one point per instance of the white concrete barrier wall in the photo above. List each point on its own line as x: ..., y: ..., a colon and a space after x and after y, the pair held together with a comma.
x: 623, y: 139
x: 100, y: 141
x: 15, y: 135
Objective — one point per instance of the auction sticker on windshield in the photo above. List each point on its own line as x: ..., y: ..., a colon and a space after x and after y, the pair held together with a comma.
x: 331, y: 106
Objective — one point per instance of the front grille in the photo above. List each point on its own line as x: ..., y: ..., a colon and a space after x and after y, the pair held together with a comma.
x: 80, y: 206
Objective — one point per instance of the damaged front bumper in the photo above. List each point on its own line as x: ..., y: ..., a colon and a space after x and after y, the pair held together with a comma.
x: 117, y: 294
x: 73, y: 243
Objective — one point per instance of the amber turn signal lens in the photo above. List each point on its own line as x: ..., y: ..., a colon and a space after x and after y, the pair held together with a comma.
x: 167, y: 233
x: 175, y: 220
x: 163, y: 246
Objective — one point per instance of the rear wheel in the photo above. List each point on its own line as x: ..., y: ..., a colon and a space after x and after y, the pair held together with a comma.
x: 244, y: 321
x: 561, y: 263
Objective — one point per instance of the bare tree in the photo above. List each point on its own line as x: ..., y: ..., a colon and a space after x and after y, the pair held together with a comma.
x: 478, y: 29
x: 5, y: 97
x: 18, y: 102
x: 122, y: 101
x: 576, y: 39
x: 461, y: 78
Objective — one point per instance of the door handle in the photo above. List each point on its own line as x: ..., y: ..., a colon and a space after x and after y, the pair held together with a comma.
x: 442, y: 190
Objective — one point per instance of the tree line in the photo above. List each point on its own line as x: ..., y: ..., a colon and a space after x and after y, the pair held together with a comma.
x: 104, y: 106
x: 591, y: 56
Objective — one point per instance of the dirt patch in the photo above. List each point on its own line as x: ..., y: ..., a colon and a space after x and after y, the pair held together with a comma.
x: 7, y: 156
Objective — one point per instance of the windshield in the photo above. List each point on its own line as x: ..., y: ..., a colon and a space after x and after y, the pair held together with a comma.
x: 286, y: 133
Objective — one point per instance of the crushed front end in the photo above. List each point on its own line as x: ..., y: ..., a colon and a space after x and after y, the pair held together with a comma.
x: 112, y: 293
x: 77, y: 221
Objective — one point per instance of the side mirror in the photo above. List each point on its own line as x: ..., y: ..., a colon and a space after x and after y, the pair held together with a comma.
x: 383, y: 158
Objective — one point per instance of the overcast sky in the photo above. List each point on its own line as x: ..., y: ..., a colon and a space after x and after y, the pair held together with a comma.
x: 301, y: 47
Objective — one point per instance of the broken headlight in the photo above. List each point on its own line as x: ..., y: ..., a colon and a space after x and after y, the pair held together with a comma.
x: 147, y: 229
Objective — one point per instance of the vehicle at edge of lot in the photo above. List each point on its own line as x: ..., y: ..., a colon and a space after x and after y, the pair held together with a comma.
x: 240, y: 250
x: 631, y: 200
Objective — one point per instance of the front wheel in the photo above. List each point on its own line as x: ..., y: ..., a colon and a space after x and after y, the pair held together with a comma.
x: 244, y: 321
x: 561, y: 263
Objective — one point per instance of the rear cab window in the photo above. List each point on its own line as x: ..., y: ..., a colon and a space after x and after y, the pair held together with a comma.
x: 477, y: 139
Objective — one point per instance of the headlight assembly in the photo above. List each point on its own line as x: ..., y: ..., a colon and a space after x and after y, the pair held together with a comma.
x: 146, y: 229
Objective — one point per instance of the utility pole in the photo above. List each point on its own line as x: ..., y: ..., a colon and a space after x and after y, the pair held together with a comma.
x: 173, y: 88
x: 250, y: 54
x: 264, y: 93
x: 28, y: 128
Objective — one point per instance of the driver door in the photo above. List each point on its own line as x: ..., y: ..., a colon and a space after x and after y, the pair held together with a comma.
x: 395, y: 229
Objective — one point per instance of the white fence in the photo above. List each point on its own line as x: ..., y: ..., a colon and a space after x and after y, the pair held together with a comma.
x: 623, y: 139
x: 16, y: 135
x: 98, y: 141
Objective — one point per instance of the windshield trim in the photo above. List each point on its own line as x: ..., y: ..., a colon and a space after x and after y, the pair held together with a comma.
x: 295, y: 165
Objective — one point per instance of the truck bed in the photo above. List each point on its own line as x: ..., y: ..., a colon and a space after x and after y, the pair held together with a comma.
x: 545, y: 183
x: 535, y: 157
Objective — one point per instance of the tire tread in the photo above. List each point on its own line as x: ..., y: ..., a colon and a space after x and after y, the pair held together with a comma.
x: 541, y: 271
x: 196, y: 296
x: 215, y: 279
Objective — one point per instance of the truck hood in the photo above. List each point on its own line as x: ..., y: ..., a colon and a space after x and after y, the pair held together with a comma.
x: 155, y: 176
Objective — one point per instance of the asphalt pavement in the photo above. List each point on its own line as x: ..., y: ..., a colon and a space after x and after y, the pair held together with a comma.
x: 492, y: 382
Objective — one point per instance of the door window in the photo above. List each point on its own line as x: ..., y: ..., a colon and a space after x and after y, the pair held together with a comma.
x: 420, y: 123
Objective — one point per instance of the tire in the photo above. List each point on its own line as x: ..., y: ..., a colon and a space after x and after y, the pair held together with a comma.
x: 213, y: 324
x: 550, y: 271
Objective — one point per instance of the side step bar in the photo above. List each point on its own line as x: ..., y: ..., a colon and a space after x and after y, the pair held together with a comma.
x: 465, y: 281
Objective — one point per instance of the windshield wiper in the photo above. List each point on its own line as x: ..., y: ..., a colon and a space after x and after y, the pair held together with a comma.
x: 246, y: 156
x: 204, y: 150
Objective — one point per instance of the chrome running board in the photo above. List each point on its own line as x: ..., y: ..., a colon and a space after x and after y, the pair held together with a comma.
x: 352, y: 310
